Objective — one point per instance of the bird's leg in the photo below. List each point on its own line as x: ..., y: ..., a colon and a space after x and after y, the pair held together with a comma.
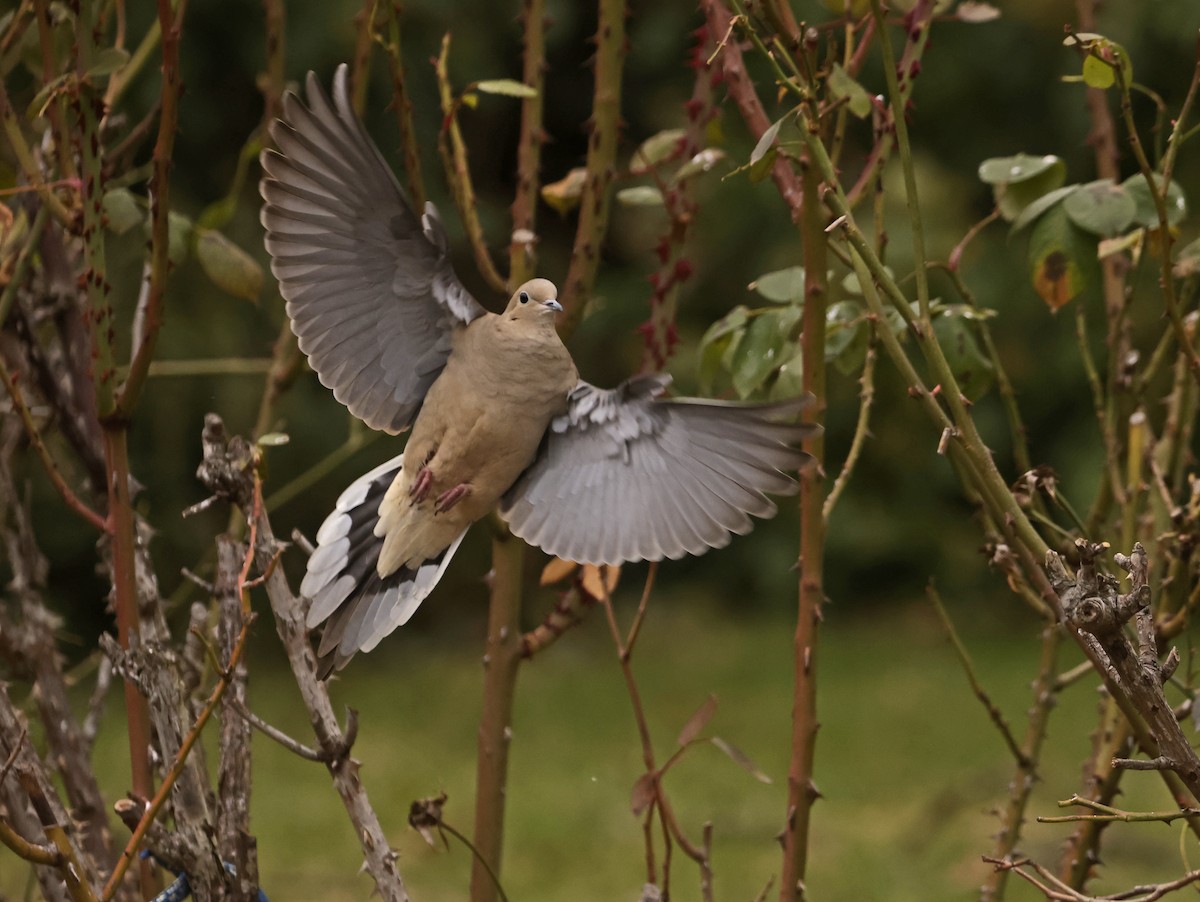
x: 423, y: 481
x: 420, y: 485
x: 451, y: 497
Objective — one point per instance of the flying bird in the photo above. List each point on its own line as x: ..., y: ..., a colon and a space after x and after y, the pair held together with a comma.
x: 498, y: 414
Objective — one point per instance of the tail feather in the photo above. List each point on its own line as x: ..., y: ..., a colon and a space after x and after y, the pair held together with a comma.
x: 347, y: 594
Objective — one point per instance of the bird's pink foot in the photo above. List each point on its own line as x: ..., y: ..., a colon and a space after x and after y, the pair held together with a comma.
x: 420, y: 486
x: 451, y: 497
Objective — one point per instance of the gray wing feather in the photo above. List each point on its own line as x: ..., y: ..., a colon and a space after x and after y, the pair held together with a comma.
x: 626, y: 475
x: 357, y: 606
x: 369, y: 287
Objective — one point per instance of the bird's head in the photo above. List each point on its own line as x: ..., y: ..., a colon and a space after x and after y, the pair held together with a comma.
x: 536, y: 300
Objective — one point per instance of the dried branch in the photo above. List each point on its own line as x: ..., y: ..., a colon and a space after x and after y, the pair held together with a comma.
x: 1092, y: 603
x: 1109, y: 813
x: 234, y: 784
x: 227, y: 470
x: 1056, y: 890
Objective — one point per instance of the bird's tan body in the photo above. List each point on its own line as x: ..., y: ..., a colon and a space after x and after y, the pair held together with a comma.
x: 482, y: 421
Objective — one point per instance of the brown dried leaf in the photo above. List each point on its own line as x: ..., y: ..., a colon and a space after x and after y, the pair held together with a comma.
x: 642, y: 795
x: 556, y: 571
x: 599, y: 582
x: 698, y: 721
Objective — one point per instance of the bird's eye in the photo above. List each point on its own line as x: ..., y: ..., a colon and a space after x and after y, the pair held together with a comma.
x: 524, y: 297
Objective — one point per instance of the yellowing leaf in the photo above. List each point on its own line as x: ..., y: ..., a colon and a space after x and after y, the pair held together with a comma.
x: 1057, y: 256
x: 564, y: 194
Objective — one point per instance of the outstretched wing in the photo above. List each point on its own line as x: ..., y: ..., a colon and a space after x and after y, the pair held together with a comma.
x: 370, y: 291
x: 625, y: 475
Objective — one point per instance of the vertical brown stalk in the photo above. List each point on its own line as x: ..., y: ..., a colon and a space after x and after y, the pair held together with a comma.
x: 501, y: 660
x: 802, y: 792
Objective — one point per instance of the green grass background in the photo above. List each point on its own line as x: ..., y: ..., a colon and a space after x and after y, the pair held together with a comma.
x: 909, y: 766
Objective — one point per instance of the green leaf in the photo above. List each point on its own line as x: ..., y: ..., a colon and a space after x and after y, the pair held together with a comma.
x: 971, y: 368
x: 1019, y: 180
x: 505, y: 86
x: 701, y: 162
x: 1018, y: 168
x: 761, y: 168
x: 1041, y: 205
x: 718, y: 346
x: 784, y: 286
x: 656, y: 149
x: 789, y: 380
x: 1060, y: 258
x: 767, y: 141
x: 179, y: 236
x: 640, y: 196
x: 107, y: 61
x: 1147, y: 214
x: 845, y: 336
x: 122, y: 211
x: 1101, y: 207
x: 760, y: 352
x: 842, y: 85
x: 229, y: 267
x: 41, y: 100
x: 1097, y: 73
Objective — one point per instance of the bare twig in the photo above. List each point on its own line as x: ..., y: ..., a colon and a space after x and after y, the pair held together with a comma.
x: 227, y: 470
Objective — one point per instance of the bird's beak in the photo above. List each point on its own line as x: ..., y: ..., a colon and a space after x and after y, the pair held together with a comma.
x: 553, y: 305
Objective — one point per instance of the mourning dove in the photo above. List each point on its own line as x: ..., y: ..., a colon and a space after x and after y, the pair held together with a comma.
x: 498, y: 413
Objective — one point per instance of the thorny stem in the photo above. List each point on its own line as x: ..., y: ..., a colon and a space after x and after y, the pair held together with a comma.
x: 802, y: 791
x: 502, y: 659
x: 453, y: 151
x: 1016, y: 427
x: 917, y: 21
x: 670, y: 825
x: 522, y: 248
x: 171, y: 23
x: 1024, y: 777
x: 603, y: 131
x: 1158, y: 186
x: 402, y: 104
x: 968, y: 666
